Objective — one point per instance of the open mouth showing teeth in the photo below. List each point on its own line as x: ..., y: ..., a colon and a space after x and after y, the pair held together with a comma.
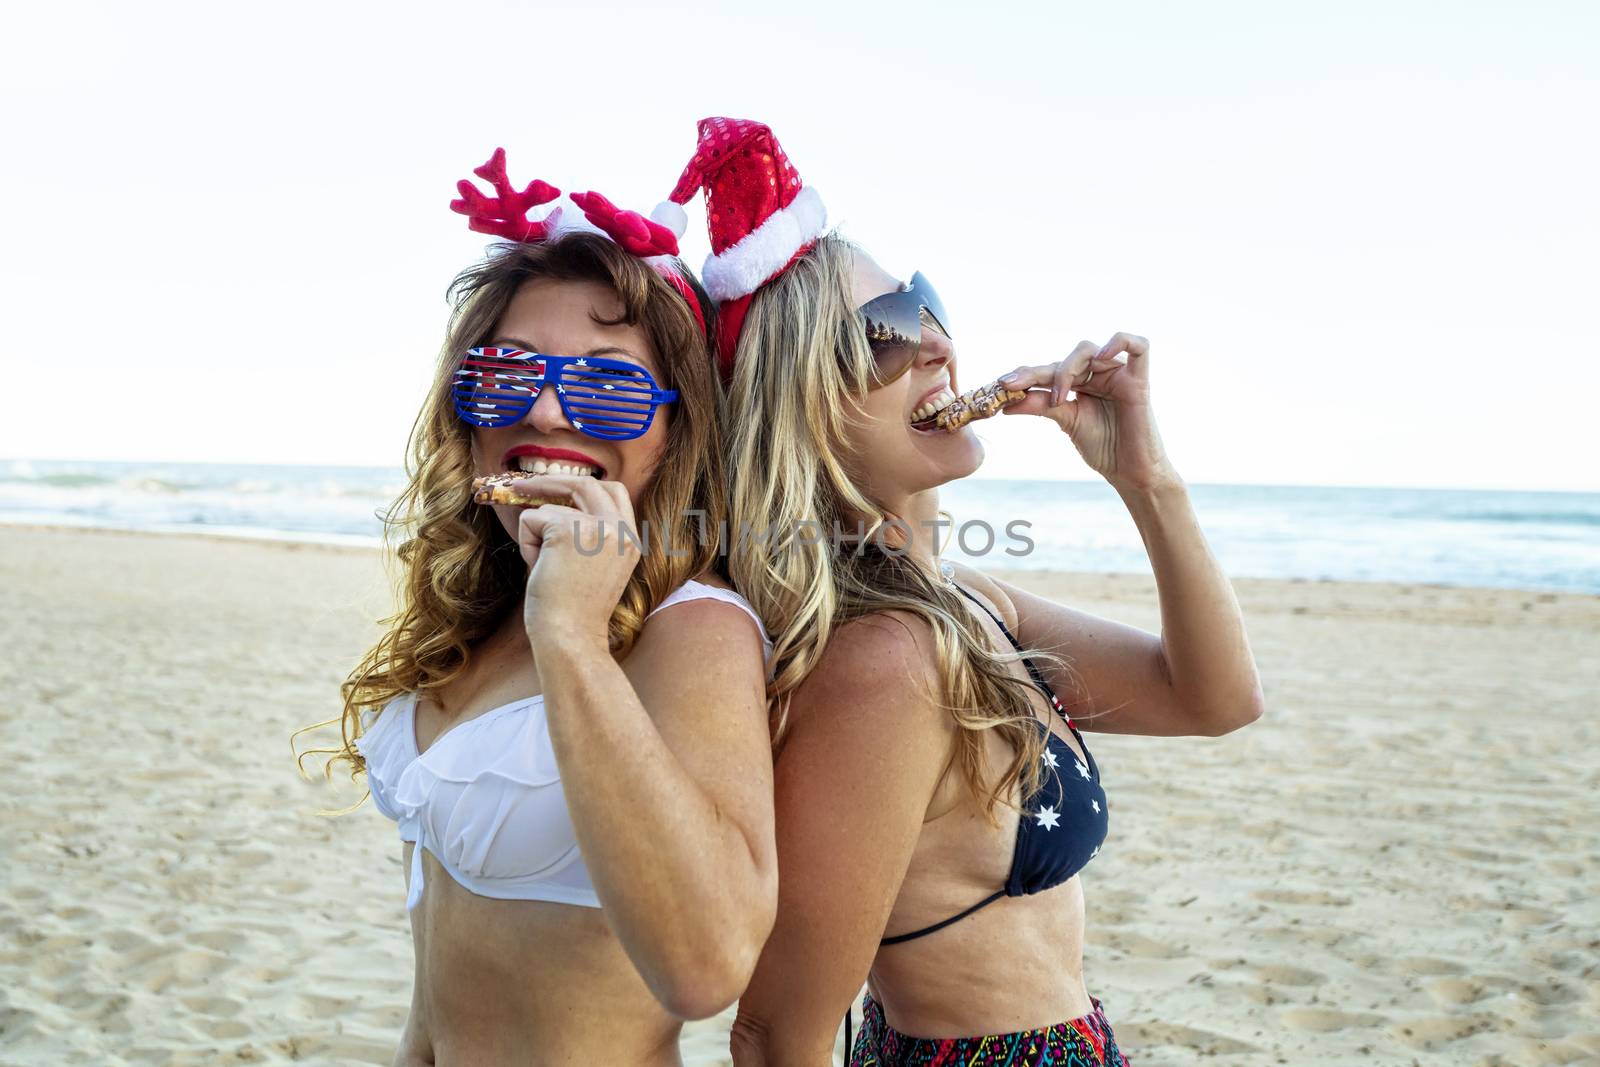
x: 539, y: 465
x: 931, y: 408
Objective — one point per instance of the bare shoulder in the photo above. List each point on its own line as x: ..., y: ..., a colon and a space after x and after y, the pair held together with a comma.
x: 699, y: 639
x: 866, y: 729
x: 695, y: 610
x: 992, y: 591
x: 701, y: 623
x: 886, y: 648
x: 880, y: 669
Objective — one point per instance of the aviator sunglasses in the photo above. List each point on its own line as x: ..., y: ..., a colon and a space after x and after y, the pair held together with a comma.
x: 894, y: 327
x: 606, y: 398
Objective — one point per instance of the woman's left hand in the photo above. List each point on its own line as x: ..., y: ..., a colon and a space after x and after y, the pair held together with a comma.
x: 579, y: 560
x: 1110, y: 421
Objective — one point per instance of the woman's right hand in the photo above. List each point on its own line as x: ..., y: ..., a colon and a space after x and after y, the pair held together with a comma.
x: 579, y: 560
x: 1111, y: 422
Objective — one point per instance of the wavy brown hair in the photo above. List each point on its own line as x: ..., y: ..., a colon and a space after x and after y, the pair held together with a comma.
x: 458, y: 571
x: 801, y: 363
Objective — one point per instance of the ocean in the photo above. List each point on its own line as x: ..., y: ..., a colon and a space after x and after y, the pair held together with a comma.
x: 1527, y: 540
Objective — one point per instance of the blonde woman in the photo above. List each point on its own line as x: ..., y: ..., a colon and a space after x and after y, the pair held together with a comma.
x: 571, y: 729
x: 935, y: 802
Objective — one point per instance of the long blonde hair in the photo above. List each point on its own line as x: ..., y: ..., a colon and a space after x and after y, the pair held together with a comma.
x: 459, y: 571
x: 801, y: 364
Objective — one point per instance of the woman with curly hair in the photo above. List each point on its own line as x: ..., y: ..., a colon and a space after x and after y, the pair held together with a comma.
x: 935, y: 800
x: 570, y: 728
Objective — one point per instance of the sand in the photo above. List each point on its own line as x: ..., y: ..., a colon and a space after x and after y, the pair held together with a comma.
x: 1397, y: 865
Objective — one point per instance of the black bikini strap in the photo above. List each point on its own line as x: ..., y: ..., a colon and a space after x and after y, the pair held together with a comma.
x: 998, y: 621
x: 985, y: 902
x: 1033, y: 672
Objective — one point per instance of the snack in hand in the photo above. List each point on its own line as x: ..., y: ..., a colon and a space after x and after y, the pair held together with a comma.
x: 971, y: 406
x: 496, y: 489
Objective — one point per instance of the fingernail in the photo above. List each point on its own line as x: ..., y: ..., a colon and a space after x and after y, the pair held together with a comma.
x: 1121, y: 357
x: 1055, y: 397
x: 1010, y: 379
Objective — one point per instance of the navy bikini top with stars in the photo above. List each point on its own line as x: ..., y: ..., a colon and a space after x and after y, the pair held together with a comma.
x: 1062, y: 825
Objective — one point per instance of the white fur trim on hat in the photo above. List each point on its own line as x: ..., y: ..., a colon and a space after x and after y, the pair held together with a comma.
x: 744, y: 267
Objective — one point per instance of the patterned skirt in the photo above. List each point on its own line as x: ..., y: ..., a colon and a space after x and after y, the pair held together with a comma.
x: 1086, y: 1041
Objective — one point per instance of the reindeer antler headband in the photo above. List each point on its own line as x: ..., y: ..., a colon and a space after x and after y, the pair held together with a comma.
x: 506, y: 215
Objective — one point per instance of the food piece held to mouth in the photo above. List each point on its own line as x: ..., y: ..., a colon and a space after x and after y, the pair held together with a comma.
x: 982, y: 403
x: 496, y: 489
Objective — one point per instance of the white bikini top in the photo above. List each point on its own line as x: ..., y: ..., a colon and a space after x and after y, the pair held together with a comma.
x: 486, y: 798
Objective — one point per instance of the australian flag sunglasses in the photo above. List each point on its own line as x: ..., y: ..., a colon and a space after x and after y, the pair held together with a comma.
x: 606, y: 398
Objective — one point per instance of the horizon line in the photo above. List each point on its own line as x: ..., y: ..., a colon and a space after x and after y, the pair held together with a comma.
x: 976, y: 476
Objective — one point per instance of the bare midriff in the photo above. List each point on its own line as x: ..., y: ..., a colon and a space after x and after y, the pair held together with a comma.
x: 1016, y: 964
x: 522, y: 983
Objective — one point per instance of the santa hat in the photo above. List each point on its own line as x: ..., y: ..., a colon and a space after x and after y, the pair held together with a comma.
x: 506, y: 215
x: 760, y: 216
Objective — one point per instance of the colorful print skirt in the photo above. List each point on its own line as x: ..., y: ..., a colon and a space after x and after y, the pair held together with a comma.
x: 1083, y: 1042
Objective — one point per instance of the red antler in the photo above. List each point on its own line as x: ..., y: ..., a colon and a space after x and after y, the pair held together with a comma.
x: 504, y: 215
x: 636, y: 234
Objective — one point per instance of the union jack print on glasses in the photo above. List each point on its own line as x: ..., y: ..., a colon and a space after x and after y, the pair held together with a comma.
x: 606, y: 398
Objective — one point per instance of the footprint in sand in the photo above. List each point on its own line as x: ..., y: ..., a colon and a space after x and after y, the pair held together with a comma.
x: 56, y: 968
x: 221, y: 940
x: 1452, y: 992
x: 1478, y: 855
x: 1562, y: 868
x: 186, y: 967
x: 268, y: 975
x: 1315, y: 897
x: 17, y: 1023
x: 1563, y: 958
x: 1282, y: 974
x: 1430, y: 1033
x: 250, y: 860
x: 1324, y: 934
x: 61, y: 943
x: 1155, y: 1034
x: 1327, y: 1020
x: 322, y: 1050
x: 1139, y: 945
x: 124, y: 940
x: 321, y: 1006
x: 221, y: 1007
x: 1543, y: 1052
x: 86, y: 1003
x: 223, y: 1029
x: 1551, y: 993
x: 1424, y: 966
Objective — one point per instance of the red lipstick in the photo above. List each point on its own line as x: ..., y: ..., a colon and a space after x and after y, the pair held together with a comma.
x: 541, y: 452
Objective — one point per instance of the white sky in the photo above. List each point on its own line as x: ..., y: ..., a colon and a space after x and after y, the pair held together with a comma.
x: 1361, y: 236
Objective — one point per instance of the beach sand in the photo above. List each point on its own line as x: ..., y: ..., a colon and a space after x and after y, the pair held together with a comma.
x: 1397, y: 865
